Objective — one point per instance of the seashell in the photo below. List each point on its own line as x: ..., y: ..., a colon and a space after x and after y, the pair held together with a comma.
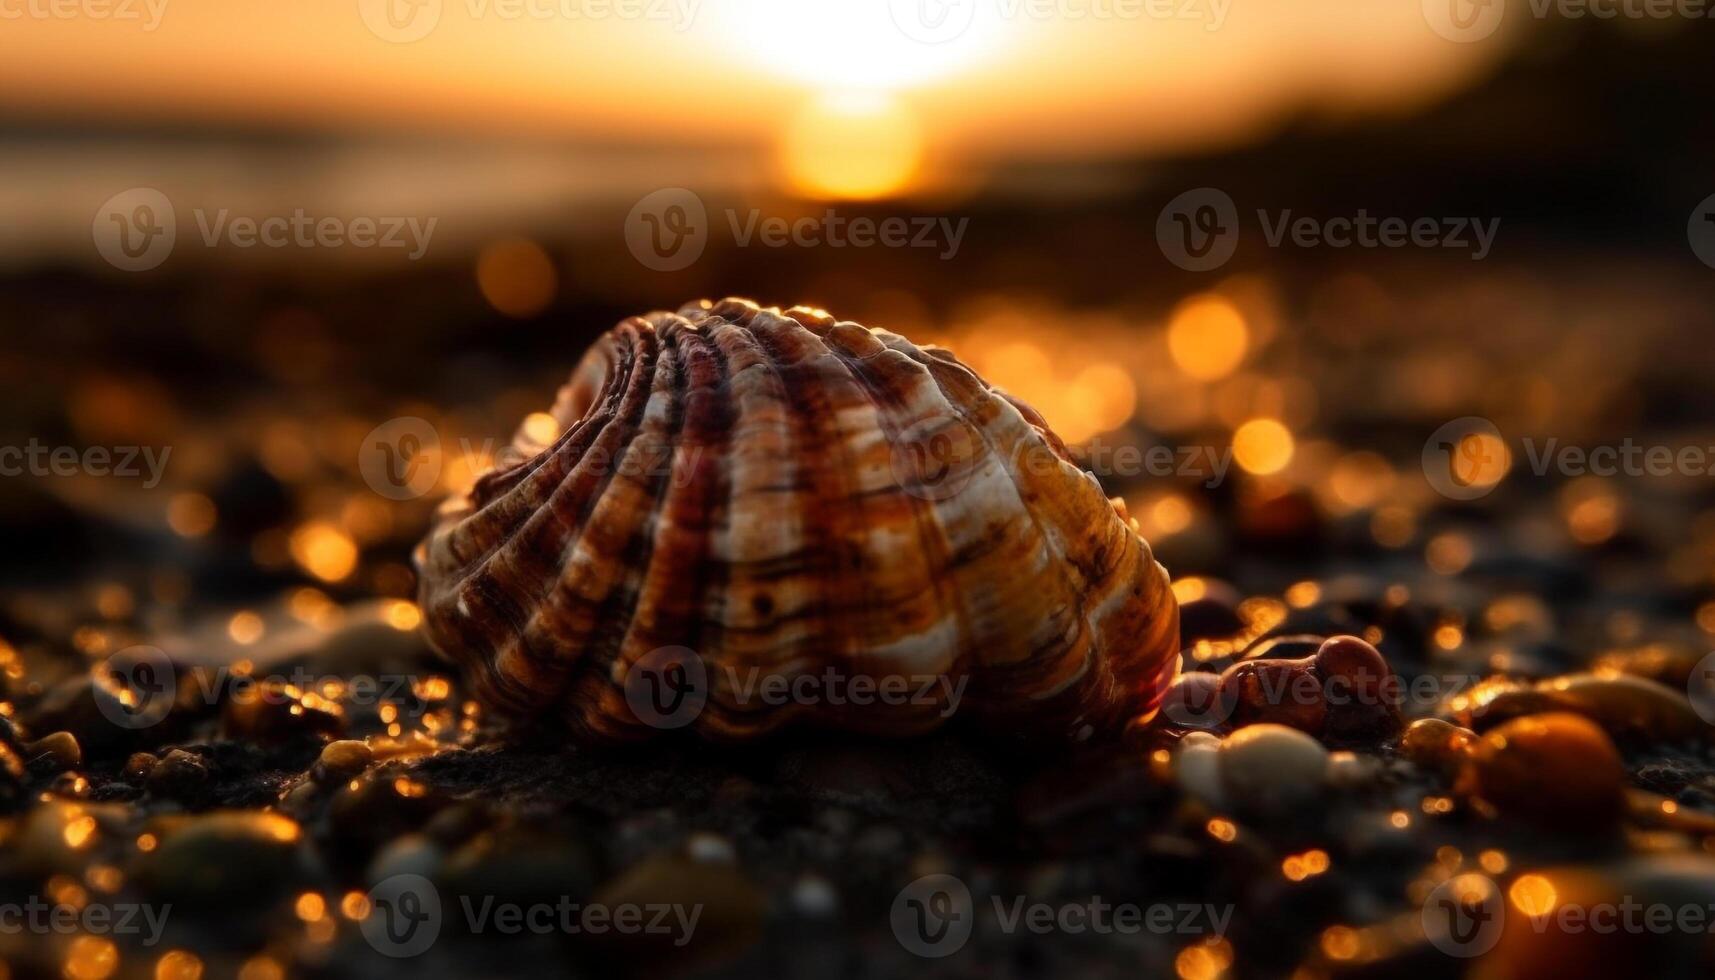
x: 737, y: 492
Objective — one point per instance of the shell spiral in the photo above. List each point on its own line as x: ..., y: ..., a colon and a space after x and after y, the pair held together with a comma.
x: 824, y: 513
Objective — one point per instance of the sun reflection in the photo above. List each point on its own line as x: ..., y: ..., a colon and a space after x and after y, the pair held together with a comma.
x: 852, y: 145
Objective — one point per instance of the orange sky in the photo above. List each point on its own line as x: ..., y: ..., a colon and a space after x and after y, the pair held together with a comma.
x: 1031, y: 78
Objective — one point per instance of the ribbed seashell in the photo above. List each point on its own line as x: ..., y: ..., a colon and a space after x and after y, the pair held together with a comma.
x: 791, y: 497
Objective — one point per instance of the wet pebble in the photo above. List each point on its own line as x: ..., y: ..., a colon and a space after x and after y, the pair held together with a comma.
x: 1556, y: 770
x: 1438, y: 745
x: 177, y: 773
x: 225, y: 860
x: 57, y: 752
x: 731, y: 912
x: 1269, y: 770
x: 341, y: 761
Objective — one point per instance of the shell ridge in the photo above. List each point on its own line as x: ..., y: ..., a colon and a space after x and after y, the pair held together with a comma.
x: 1086, y: 630
x: 772, y: 336
x: 523, y: 648
x: 599, y: 666
x: 931, y: 536
x: 665, y: 573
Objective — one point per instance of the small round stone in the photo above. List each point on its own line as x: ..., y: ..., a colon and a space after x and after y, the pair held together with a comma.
x: 54, y: 753
x: 341, y: 760
x: 1197, y: 769
x: 1556, y: 770
x: 139, y: 765
x: 814, y: 897
x: 1437, y: 744
x: 1270, y: 769
x: 178, y: 771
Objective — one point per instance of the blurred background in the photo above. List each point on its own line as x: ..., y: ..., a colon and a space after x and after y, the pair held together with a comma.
x: 528, y: 167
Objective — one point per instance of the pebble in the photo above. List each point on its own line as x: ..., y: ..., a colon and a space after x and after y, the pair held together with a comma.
x: 54, y: 753
x: 138, y: 766
x: 732, y: 912
x: 1197, y: 769
x: 1628, y: 706
x: 1556, y: 770
x: 225, y: 859
x: 1350, y: 770
x: 813, y: 896
x: 1437, y: 744
x: 178, y: 772
x: 1345, y: 692
x: 710, y: 848
x: 341, y: 761
x: 1269, y: 769
x: 410, y: 854
x: 1194, y: 701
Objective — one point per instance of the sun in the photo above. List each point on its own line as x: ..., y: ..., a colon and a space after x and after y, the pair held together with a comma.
x: 841, y: 45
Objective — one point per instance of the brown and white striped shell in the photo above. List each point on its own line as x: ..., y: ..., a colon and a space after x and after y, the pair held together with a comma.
x: 743, y: 497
